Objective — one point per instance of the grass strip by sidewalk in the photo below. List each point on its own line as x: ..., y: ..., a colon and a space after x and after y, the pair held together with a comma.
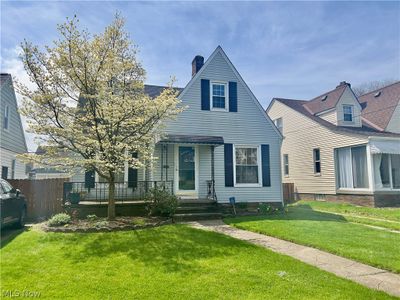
x: 329, y: 232
x: 382, y: 217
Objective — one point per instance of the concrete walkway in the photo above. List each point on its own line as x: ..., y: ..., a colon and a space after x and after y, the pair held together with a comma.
x: 363, y: 274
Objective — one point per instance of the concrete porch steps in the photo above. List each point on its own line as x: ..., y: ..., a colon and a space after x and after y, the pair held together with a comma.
x: 196, y: 209
x: 196, y: 216
x: 203, y: 208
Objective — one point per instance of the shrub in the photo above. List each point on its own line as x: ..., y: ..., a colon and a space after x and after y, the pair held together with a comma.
x: 91, y: 217
x: 101, y: 224
x: 59, y: 220
x: 161, y: 203
x: 265, y: 209
x: 242, y: 205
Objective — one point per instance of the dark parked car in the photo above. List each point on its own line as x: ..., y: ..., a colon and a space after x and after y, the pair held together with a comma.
x: 12, y: 205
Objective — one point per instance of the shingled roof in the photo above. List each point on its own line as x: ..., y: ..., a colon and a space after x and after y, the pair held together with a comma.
x: 378, y: 106
x: 155, y: 90
x: 375, y: 110
x: 327, y: 100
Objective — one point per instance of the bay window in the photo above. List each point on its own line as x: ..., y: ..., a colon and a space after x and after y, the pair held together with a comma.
x: 247, y: 165
x: 352, y: 167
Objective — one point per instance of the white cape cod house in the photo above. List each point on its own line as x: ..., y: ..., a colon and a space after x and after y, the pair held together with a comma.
x: 340, y: 147
x: 223, y: 145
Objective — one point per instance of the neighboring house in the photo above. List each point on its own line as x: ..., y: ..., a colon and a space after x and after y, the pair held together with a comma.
x: 342, y: 148
x: 12, y: 138
x: 223, y: 145
x: 39, y: 172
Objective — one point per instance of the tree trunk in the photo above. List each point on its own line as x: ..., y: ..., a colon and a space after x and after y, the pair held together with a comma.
x: 111, y: 198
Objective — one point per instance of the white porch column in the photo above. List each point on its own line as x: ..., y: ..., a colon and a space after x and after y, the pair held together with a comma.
x: 370, y: 167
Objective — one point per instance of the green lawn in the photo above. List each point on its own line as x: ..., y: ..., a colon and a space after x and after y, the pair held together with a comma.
x: 384, y: 217
x: 170, y: 262
x: 329, y: 232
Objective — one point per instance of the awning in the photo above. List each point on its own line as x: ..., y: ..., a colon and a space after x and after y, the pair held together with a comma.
x: 390, y: 147
x: 193, y: 139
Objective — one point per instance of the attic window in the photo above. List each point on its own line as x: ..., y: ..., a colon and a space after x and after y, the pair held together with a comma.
x: 324, y: 97
x: 377, y: 94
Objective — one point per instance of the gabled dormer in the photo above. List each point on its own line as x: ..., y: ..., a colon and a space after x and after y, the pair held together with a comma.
x: 339, y: 106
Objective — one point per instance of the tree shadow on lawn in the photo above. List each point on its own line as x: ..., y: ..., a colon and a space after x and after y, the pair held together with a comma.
x: 299, y: 212
x: 172, y: 248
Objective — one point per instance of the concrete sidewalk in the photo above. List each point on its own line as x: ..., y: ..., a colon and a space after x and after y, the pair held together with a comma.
x: 363, y: 274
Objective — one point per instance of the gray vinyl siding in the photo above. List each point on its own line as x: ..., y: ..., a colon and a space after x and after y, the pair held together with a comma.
x: 12, y: 139
x: 6, y: 160
x: 157, y: 165
x: 248, y: 126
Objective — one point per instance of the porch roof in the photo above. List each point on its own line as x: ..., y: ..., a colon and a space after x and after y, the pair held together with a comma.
x: 193, y: 139
x: 381, y: 146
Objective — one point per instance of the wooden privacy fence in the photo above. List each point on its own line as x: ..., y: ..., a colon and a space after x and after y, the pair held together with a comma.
x: 43, y: 196
x: 288, y: 192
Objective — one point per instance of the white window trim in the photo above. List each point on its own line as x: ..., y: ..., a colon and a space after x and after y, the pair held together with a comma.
x: 391, y: 188
x: 6, y: 109
x: 276, y: 124
x: 351, y: 189
x: 226, y: 109
x: 315, y: 161
x: 352, y: 113
x: 259, y: 184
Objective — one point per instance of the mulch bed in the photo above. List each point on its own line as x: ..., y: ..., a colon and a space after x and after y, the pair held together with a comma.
x: 103, y: 225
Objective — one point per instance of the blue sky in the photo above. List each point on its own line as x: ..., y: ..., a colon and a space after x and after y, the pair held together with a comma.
x: 282, y: 49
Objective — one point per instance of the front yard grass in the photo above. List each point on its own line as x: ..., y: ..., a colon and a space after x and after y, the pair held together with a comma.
x: 383, y: 217
x: 329, y: 232
x: 168, y: 262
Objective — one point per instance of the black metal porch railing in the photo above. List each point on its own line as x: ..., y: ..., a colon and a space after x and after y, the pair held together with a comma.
x: 75, y: 192
x: 211, y: 194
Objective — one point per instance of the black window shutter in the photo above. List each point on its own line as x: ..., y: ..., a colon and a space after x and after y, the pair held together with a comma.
x: 89, y: 179
x: 228, y: 155
x: 205, y: 94
x: 265, y: 160
x: 133, y: 175
x: 232, y: 96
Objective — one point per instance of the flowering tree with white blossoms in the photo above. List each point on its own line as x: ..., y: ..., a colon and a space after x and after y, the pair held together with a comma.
x: 89, y: 107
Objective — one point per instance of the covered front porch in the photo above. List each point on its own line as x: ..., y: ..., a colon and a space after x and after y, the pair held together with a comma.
x: 189, y: 161
x: 184, y: 166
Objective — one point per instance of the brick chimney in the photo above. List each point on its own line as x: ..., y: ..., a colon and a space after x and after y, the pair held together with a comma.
x: 197, y: 63
x: 342, y: 83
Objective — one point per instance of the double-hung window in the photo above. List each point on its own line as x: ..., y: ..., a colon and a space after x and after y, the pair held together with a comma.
x: 6, y: 117
x: 348, y: 113
x: 286, y: 164
x: 219, y: 96
x: 247, y: 165
x: 317, y: 161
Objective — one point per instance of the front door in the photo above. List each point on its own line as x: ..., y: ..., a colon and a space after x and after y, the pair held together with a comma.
x: 186, y: 171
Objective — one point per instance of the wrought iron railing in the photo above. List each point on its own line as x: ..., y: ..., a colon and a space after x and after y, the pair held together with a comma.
x: 75, y: 192
x: 211, y: 190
